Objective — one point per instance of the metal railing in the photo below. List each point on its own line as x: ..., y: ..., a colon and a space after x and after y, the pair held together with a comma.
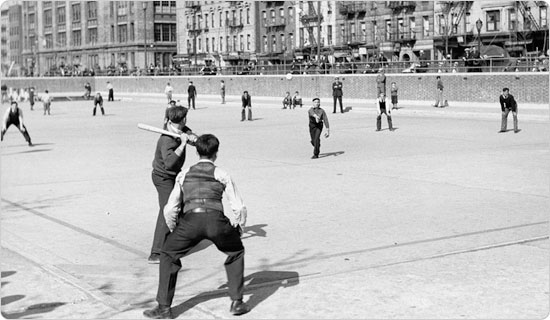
x: 488, y: 64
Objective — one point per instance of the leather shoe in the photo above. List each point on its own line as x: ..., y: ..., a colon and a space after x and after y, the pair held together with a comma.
x: 154, y: 258
x: 159, y: 312
x: 238, y: 307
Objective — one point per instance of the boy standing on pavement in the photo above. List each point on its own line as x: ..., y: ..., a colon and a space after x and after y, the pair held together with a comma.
x: 14, y: 115
x: 111, y: 90
x: 317, y: 117
x: 168, y: 91
x: 200, y: 189
x: 247, y: 103
x: 47, y: 102
x: 168, y: 161
x: 382, y: 107
x: 507, y: 104
x: 98, y: 100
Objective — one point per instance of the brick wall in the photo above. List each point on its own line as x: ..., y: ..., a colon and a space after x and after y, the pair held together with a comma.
x: 470, y: 87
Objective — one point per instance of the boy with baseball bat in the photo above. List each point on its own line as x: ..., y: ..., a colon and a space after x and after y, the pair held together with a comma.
x: 168, y: 161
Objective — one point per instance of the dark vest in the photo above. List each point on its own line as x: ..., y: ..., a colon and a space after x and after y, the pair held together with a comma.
x: 14, y: 116
x: 201, y: 189
x: 382, y: 104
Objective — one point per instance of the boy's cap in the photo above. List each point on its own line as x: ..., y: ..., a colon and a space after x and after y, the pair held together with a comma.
x: 316, y: 99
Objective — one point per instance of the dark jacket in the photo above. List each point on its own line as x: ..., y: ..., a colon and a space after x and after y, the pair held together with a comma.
x: 508, y: 102
x: 337, y: 89
x: 247, y: 101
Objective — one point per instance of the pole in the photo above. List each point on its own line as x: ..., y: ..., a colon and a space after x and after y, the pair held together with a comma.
x: 318, y: 31
x: 145, y: 33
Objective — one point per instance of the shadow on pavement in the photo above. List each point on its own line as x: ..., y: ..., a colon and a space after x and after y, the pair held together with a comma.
x: 28, y: 151
x: 328, y: 154
x: 261, y: 285
x: 33, y: 310
x: 254, y: 231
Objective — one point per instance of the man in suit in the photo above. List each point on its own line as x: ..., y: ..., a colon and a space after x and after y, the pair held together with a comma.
x: 337, y: 94
x: 381, y: 82
x: 192, y: 94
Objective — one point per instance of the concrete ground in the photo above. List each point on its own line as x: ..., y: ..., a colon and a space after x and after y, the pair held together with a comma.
x: 442, y: 218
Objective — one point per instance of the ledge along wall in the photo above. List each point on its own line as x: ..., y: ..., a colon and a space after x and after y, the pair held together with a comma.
x: 529, y: 87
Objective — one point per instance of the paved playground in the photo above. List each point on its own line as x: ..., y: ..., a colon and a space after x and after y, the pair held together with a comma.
x: 442, y: 218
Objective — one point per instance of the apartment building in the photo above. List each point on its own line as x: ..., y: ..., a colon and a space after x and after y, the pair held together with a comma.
x: 218, y: 33
x: 277, y: 32
x: 99, y: 35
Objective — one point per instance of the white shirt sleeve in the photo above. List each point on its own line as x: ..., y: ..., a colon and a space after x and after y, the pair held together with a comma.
x: 238, y: 213
x: 173, y: 206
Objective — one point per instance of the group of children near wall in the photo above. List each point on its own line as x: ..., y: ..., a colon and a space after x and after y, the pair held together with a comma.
x: 291, y: 102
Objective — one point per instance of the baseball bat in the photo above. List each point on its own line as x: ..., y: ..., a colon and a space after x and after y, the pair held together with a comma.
x: 147, y: 127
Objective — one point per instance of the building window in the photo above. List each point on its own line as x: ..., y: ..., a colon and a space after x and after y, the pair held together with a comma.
x: 122, y: 33
x: 122, y: 8
x: 282, y: 15
x: 227, y: 23
x: 241, y: 42
x: 291, y: 13
x: 493, y: 20
x: 241, y: 17
x: 343, y: 33
x: 221, y: 44
x: 273, y: 43
x: 48, y: 18
x: 512, y: 19
x: 291, y: 40
x: 543, y: 15
x: 248, y: 42
x: 165, y: 32
x: 213, y: 20
x: 207, y: 45
x: 77, y: 41
x: 264, y: 18
x: 412, y: 28
x: 264, y: 44
x: 92, y: 35
x: 75, y: 9
x: 221, y: 20
x: 352, y: 31
x: 234, y: 44
x: 213, y: 44
x: 60, y: 15
x: 467, y: 22
x: 283, y: 43
x: 132, y: 30
x: 329, y: 35
x: 273, y: 19
x: 363, y: 31
x: 164, y: 6
x: 247, y: 15
x: 425, y: 26
x: 206, y: 20
x: 112, y: 33
x: 49, y: 40
x: 200, y: 45
x: 31, y: 20
x: 61, y: 39
x: 388, y: 29
x: 227, y: 44
x: 374, y: 31
x: 92, y: 10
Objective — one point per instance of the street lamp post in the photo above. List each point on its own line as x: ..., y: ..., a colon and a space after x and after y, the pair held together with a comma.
x: 479, y: 25
x: 144, y: 4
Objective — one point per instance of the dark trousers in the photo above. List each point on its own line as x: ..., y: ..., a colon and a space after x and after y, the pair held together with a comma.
x: 111, y: 95
x: 504, y: 122
x: 379, y: 120
x: 164, y: 186
x: 101, y: 106
x: 191, y: 102
x: 190, y: 230
x: 315, y: 133
x: 243, y: 113
x: 339, y: 98
x: 25, y: 132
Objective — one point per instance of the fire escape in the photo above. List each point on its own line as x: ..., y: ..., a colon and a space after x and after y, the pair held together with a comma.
x: 310, y: 20
x: 193, y: 27
x: 353, y: 11
x: 456, y: 10
x: 531, y: 27
x: 275, y: 26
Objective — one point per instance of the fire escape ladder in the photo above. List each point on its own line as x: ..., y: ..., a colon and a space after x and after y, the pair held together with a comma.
x: 526, y: 11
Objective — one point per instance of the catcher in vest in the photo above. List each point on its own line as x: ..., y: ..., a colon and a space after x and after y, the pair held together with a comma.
x: 200, y: 189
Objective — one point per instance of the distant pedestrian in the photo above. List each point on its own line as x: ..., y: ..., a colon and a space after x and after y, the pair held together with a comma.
x: 4, y: 93
x: 170, y: 105
x: 439, y: 102
x: 31, y: 97
x: 111, y: 91
x: 98, y: 100
x: 46, y: 102
x: 192, y: 94
x: 337, y: 94
x: 381, y: 82
x: 381, y: 108
x: 222, y: 91
x: 287, y: 101
x: 393, y: 91
x: 317, y: 117
x: 168, y: 90
x: 247, y: 103
x: 87, y: 90
x: 14, y: 115
x: 507, y: 104
x: 297, y: 99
